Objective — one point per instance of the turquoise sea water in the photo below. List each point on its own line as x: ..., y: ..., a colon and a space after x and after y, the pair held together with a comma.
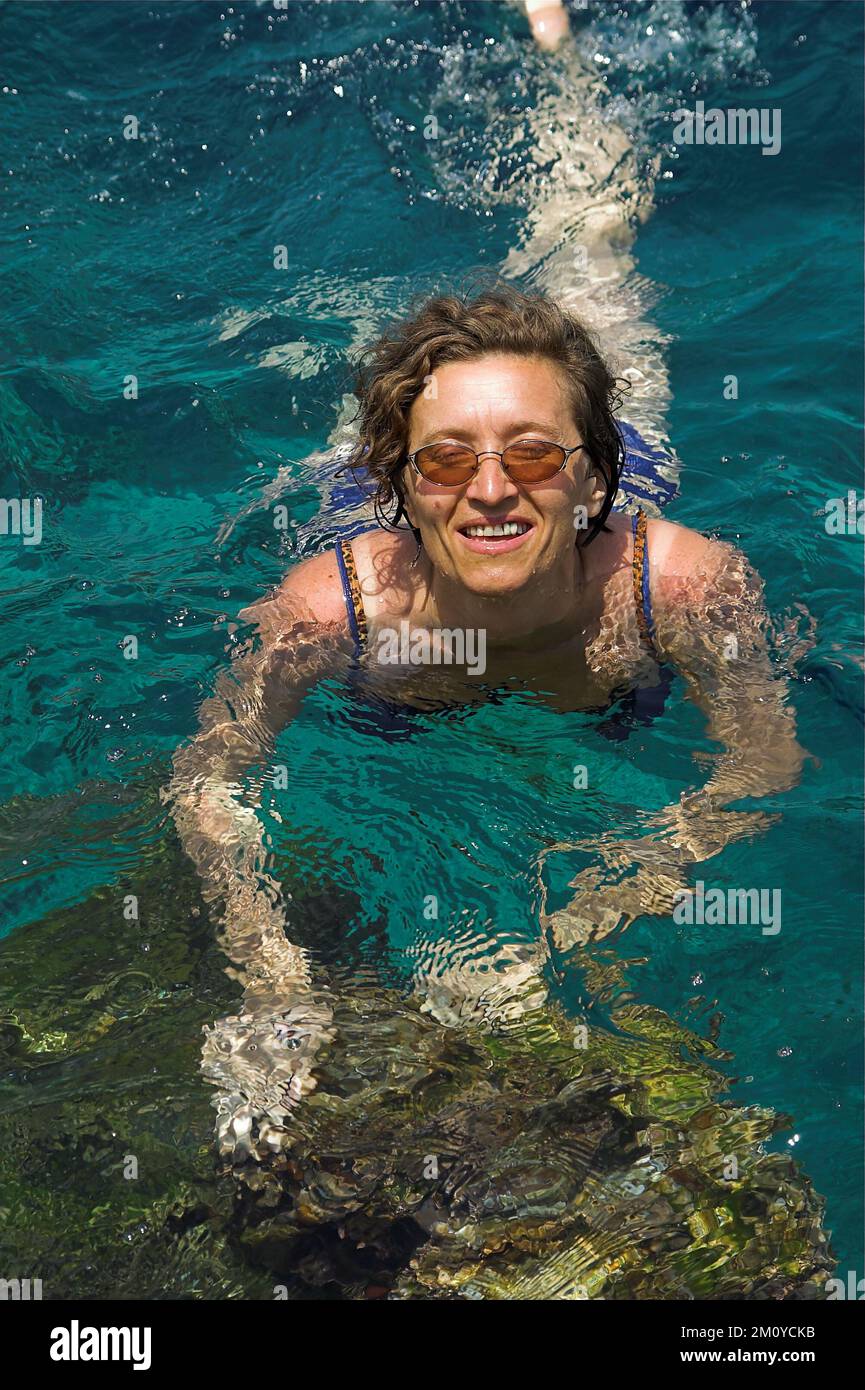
x: 154, y: 258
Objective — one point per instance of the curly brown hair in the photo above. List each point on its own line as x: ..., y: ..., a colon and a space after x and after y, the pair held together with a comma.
x: 392, y: 372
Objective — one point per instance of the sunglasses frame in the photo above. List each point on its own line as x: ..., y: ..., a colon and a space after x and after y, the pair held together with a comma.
x: 412, y: 459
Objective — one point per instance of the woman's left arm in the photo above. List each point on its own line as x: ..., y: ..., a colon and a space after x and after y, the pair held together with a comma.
x: 711, y: 624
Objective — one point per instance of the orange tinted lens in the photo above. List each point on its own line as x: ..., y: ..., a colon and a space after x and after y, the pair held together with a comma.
x: 533, y: 460
x: 446, y: 463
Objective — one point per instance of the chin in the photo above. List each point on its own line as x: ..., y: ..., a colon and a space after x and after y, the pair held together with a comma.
x: 493, y: 580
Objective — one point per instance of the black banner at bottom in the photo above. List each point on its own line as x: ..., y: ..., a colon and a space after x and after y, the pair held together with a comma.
x: 266, y: 1338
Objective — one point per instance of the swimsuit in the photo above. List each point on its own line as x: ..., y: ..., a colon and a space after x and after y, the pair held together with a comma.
x: 633, y: 708
x: 639, y: 577
x: 648, y: 479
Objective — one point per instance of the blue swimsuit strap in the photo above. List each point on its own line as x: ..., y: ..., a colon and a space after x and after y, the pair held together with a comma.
x: 640, y: 569
x: 642, y: 591
x: 351, y: 594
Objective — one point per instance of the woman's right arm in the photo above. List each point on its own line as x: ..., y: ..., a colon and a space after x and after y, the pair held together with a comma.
x: 264, y: 1058
x: 303, y: 637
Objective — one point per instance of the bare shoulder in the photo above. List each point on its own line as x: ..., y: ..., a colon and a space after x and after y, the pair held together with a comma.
x: 310, y: 594
x: 387, y: 581
x: 686, y: 565
x: 675, y: 549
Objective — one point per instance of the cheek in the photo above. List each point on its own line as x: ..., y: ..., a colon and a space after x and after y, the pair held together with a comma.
x: 434, y: 512
x: 431, y: 521
x: 558, y: 506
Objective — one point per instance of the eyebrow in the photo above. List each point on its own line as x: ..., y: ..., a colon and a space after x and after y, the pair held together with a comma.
x: 548, y: 430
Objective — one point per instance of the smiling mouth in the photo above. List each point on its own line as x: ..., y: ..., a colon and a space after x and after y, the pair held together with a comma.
x: 492, y: 530
x: 491, y: 537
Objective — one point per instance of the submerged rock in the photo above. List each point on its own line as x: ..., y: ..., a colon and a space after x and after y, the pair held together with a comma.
x: 436, y: 1163
x: 415, y: 1156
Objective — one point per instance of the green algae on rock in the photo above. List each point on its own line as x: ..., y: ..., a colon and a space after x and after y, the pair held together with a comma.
x: 428, y: 1162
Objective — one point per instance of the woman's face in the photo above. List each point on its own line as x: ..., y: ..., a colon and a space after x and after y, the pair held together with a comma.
x: 488, y: 403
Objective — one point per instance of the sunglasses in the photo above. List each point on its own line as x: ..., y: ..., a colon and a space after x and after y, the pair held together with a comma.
x: 449, y: 464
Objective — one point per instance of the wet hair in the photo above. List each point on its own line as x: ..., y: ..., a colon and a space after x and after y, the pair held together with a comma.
x: 392, y: 372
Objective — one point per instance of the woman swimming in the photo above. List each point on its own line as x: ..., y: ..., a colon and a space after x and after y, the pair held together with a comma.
x: 487, y: 427
x: 486, y: 431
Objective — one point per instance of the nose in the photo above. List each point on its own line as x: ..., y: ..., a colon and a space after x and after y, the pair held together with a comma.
x: 491, y: 484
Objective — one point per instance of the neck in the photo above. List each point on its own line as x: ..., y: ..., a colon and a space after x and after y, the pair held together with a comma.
x: 545, y: 612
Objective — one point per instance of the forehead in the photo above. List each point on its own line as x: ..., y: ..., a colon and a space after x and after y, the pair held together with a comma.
x: 492, y: 390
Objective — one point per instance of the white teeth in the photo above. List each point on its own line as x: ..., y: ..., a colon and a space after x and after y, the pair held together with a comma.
x: 507, y: 528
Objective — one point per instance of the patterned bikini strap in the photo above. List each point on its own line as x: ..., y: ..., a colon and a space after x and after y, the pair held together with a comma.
x: 640, y: 576
x: 351, y: 594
